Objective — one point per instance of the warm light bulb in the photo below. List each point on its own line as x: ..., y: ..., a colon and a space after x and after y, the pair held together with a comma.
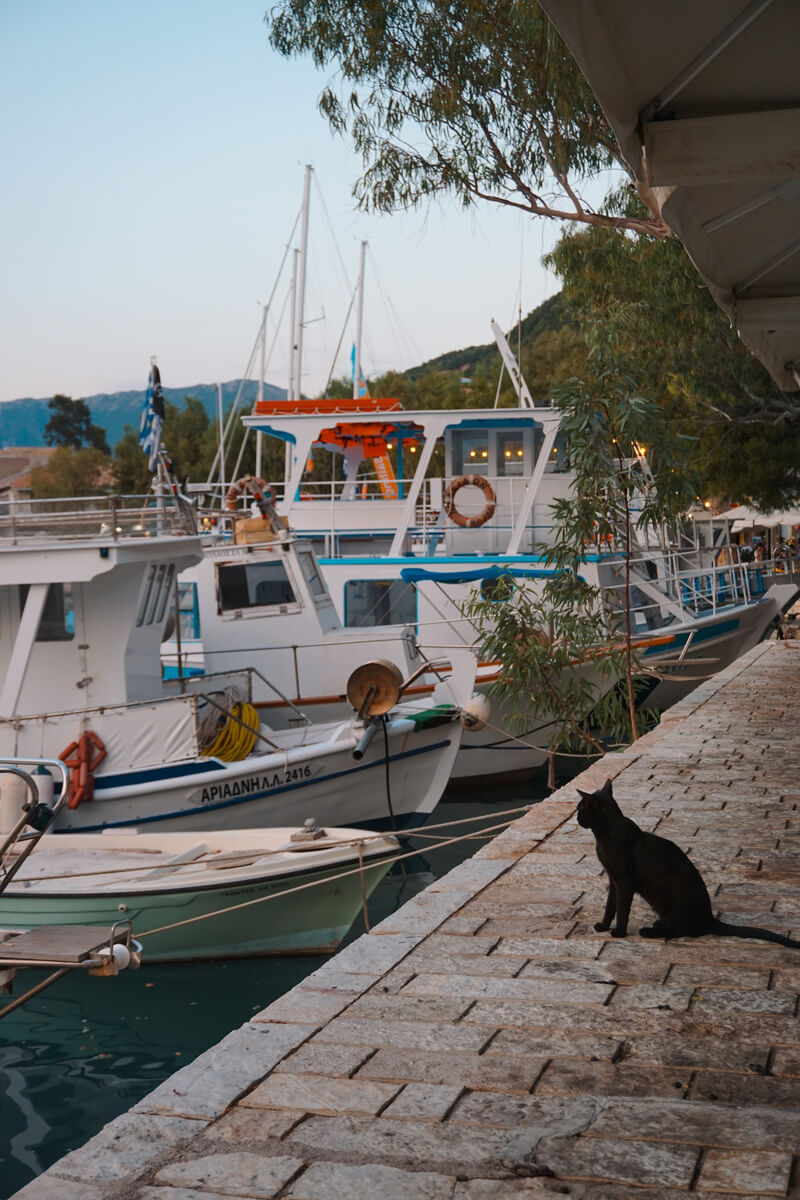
x: 472, y: 453
x: 484, y: 453
x: 519, y: 454
x: 508, y: 454
x: 390, y: 445
x: 413, y: 449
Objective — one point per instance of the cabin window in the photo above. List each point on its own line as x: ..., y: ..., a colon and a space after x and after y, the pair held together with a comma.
x: 57, y: 622
x: 559, y: 456
x: 310, y: 568
x: 188, y: 610
x: 379, y: 602
x: 497, y: 588
x: 253, y: 585
x: 471, y: 456
x: 156, y: 594
x: 510, y: 454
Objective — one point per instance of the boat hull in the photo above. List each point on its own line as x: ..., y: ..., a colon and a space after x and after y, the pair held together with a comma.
x: 279, y: 920
x: 282, y: 790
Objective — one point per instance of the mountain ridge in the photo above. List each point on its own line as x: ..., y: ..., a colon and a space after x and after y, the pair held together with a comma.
x: 22, y: 421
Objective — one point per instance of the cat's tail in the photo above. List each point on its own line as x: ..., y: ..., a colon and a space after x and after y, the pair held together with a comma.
x: 723, y: 929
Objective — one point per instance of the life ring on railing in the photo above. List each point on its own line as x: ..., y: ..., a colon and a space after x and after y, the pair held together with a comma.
x: 83, y: 758
x: 248, y: 483
x: 455, y: 486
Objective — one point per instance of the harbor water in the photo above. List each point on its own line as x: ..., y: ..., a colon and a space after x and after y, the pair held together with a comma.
x: 86, y: 1050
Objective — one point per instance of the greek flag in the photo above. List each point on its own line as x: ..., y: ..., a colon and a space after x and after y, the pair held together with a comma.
x: 152, y: 419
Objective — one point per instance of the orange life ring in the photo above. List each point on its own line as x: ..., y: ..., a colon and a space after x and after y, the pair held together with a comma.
x: 248, y: 483
x: 478, y: 481
x: 83, y: 758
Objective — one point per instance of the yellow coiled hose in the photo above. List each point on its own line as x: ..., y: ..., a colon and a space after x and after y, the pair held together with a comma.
x: 234, y: 742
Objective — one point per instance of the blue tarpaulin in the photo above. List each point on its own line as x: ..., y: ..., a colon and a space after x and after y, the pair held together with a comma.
x: 420, y: 574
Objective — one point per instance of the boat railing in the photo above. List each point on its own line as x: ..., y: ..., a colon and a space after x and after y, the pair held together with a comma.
x: 88, y: 517
x: 662, y: 586
x: 35, y: 817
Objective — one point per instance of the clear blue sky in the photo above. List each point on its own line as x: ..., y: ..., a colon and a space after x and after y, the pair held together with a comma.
x: 153, y: 159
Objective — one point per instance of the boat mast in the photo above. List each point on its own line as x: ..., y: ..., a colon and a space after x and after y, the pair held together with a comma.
x: 262, y: 369
x: 300, y: 293
x: 359, y: 322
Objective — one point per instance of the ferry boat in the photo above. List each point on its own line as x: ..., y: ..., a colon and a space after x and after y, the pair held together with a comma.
x: 431, y: 505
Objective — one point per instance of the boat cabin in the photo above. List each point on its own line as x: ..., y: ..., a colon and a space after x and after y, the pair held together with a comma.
x: 82, y: 618
x: 366, y: 476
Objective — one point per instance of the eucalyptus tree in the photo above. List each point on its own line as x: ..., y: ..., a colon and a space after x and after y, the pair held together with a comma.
x: 476, y: 98
x: 681, y: 349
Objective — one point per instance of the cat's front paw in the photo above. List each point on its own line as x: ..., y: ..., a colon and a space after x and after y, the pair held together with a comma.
x: 648, y: 931
x: 601, y: 926
x: 619, y: 931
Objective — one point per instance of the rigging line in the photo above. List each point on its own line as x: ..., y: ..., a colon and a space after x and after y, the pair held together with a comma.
x: 240, y: 455
x: 268, y: 305
x: 544, y: 749
x: 504, y: 812
x: 415, y: 350
x: 441, y: 615
x: 342, y: 267
x: 302, y: 887
x: 387, y: 310
x: 203, y: 860
x: 339, y: 343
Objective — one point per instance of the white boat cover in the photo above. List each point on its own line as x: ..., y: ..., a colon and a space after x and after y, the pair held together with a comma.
x: 135, y: 736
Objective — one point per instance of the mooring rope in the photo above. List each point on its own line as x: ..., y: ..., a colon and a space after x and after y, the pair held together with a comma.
x: 302, y: 887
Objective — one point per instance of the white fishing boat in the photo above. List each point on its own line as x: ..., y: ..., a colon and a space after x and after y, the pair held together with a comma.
x: 232, y: 894
x: 85, y: 596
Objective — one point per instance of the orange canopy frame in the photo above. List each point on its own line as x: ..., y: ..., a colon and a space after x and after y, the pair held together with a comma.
x: 358, y: 404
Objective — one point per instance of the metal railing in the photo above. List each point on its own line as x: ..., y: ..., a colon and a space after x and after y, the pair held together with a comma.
x: 95, y: 517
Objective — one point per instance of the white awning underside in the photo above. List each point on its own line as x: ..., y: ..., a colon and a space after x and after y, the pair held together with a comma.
x: 704, y: 98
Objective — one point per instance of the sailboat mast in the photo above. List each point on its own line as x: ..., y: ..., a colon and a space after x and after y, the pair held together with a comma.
x: 359, y: 321
x: 301, y: 287
x: 262, y: 369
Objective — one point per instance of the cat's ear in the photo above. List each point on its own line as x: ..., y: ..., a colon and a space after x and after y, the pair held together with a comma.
x: 606, y: 789
x: 584, y: 795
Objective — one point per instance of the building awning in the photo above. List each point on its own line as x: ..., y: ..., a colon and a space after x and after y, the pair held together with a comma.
x: 743, y: 517
x: 703, y: 99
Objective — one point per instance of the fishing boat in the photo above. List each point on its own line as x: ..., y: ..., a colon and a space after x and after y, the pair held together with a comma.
x: 231, y: 894
x: 86, y: 592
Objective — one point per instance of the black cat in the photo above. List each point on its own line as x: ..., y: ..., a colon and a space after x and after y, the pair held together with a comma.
x: 659, y: 871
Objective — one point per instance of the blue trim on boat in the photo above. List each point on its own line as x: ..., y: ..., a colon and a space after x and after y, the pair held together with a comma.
x: 419, y: 574
x: 700, y: 635
x: 157, y: 774
x: 291, y: 787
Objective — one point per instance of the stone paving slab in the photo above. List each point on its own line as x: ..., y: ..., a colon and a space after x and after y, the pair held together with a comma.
x: 485, y: 1041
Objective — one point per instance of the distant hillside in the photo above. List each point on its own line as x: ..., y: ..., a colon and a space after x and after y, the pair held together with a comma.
x: 22, y: 422
x: 549, y: 315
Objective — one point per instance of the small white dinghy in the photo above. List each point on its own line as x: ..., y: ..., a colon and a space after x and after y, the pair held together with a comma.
x: 224, y: 894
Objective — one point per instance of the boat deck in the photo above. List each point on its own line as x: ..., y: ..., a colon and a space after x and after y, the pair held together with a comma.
x: 485, y: 1041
